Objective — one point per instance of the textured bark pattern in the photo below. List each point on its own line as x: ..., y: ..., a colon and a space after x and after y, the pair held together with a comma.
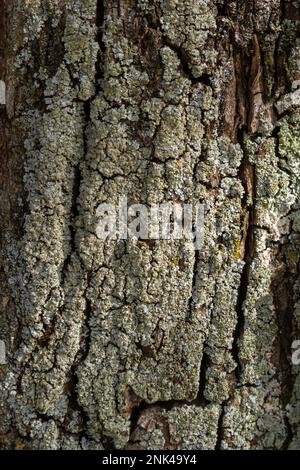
x: 150, y: 344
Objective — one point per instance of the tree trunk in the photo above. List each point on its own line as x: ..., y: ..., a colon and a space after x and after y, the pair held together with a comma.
x: 148, y: 344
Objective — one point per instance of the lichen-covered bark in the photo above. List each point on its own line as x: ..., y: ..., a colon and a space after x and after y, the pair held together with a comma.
x: 149, y: 344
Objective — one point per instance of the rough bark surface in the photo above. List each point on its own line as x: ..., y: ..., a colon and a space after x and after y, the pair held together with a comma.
x: 150, y: 345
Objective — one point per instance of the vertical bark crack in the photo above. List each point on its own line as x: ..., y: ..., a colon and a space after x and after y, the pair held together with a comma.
x: 247, y: 248
x: 193, y: 299
x: 100, y: 24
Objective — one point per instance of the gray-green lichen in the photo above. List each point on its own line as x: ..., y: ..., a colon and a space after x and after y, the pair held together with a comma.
x: 189, y: 340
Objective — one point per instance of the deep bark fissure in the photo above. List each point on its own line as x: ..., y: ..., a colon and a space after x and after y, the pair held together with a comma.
x: 193, y: 298
x: 220, y: 428
x: 205, y: 79
x: 246, y: 64
x: 72, y: 221
x: 74, y: 402
x: 100, y: 16
x: 205, y: 363
x: 87, y: 318
x: 247, y: 176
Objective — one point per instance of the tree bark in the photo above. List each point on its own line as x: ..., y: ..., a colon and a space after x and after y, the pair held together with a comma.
x: 148, y: 344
